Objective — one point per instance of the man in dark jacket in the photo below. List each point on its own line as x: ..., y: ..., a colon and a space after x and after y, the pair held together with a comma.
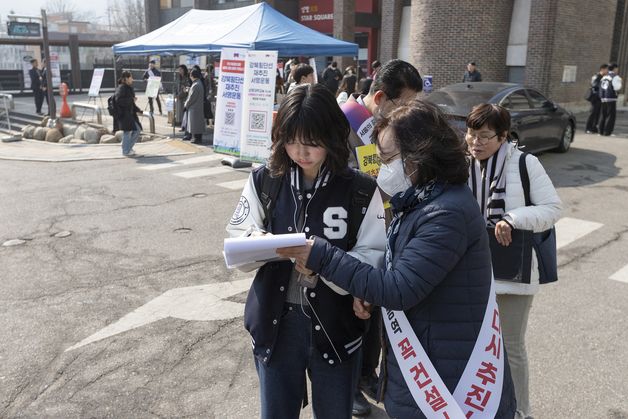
x: 331, y: 77
x: 152, y: 72
x: 36, y: 85
x: 472, y: 74
x: 610, y: 86
x: 594, y: 98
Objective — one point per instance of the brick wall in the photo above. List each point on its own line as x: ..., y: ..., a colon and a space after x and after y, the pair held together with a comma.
x: 344, y: 27
x: 389, y: 32
x: 446, y: 34
x: 583, y: 35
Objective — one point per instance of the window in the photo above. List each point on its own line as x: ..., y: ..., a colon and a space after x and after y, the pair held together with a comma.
x: 537, y: 99
x: 187, y: 3
x: 165, y: 4
x: 516, y: 101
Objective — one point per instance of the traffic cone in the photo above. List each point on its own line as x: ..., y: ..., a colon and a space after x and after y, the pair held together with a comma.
x: 65, y: 109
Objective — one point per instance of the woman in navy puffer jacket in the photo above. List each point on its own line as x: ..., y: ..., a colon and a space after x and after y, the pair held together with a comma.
x: 438, y: 260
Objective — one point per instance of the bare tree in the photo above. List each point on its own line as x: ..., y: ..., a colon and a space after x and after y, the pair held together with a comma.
x: 128, y: 16
x: 68, y: 9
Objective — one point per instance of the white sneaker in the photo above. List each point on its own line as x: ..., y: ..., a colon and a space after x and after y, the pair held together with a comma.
x: 130, y: 154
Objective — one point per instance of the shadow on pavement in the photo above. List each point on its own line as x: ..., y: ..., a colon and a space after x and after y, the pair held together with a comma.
x: 579, y: 167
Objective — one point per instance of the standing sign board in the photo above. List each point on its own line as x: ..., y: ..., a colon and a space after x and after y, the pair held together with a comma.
x: 257, y: 109
x: 54, y: 67
x: 94, y: 86
x: 152, y: 86
x: 228, y: 118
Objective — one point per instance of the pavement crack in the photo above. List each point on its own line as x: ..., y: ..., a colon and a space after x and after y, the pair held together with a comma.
x: 97, y: 378
x: 616, y: 237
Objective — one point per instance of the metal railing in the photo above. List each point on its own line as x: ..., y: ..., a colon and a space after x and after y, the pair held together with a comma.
x: 7, y: 106
x: 151, y: 121
x: 83, y: 105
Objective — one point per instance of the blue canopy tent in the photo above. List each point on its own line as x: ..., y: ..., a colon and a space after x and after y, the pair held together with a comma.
x: 258, y: 27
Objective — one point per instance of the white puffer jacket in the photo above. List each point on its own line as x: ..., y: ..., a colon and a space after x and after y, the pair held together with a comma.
x: 540, y: 217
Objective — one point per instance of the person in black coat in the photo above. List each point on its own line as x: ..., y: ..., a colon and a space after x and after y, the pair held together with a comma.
x: 36, y: 85
x: 472, y: 74
x: 438, y: 276
x: 126, y: 113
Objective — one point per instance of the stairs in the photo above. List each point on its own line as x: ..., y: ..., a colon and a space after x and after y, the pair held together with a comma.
x: 19, y: 120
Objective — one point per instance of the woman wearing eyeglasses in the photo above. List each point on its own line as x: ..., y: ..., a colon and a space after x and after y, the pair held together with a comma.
x: 496, y: 183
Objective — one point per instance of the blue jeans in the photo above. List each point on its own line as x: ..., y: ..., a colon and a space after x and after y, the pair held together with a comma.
x: 129, y: 138
x: 282, y: 380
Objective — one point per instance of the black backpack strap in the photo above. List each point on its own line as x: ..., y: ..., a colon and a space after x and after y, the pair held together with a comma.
x: 525, y: 178
x: 268, y: 195
x: 363, y: 188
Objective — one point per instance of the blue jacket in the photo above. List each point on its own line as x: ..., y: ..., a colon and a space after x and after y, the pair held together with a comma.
x: 441, y: 278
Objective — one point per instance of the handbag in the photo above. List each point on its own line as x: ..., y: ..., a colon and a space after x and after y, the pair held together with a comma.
x: 589, y: 95
x: 544, y: 243
x: 512, y: 263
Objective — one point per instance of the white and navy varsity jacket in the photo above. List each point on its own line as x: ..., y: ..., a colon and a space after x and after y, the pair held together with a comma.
x: 336, y: 331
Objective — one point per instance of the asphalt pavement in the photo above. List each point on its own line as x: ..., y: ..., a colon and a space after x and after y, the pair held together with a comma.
x: 115, y: 300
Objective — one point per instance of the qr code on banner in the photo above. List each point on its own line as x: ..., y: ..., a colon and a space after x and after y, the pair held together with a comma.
x: 257, y: 121
x: 230, y: 118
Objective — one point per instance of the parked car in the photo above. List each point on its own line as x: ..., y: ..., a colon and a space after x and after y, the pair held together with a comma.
x: 538, y: 124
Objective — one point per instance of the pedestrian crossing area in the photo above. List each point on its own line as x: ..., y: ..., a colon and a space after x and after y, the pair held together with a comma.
x: 203, y: 166
x: 568, y: 230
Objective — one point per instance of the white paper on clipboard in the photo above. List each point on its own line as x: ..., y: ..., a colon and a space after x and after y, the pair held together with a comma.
x: 244, y: 250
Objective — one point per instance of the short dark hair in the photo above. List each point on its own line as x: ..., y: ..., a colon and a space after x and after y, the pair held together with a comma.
x: 196, y: 73
x: 496, y: 117
x: 603, y: 66
x: 425, y: 138
x: 471, y: 63
x: 394, y: 76
x: 302, y: 70
x: 184, y: 68
x: 152, y: 62
x: 612, y: 66
x: 376, y: 64
x: 311, y: 115
x: 34, y: 60
x: 365, y: 85
x: 334, y: 64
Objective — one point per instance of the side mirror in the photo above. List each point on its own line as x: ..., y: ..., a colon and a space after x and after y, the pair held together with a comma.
x: 548, y: 104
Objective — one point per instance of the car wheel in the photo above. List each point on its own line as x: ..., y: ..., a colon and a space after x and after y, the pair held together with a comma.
x: 565, y: 142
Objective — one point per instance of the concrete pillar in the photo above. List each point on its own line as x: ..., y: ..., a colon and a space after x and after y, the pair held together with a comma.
x: 151, y: 11
x: 391, y: 24
x: 344, y: 27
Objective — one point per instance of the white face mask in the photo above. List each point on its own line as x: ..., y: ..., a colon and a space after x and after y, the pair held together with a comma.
x: 392, y: 178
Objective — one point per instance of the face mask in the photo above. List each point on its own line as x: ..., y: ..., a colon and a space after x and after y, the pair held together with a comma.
x: 392, y: 178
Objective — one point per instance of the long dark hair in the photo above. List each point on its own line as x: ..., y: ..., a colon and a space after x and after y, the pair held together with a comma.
x: 310, y: 114
x: 124, y: 75
x: 425, y: 138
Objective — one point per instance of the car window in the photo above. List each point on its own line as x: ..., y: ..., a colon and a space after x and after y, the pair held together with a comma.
x: 536, y: 99
x: 459, y: 102
x: 516, y: 101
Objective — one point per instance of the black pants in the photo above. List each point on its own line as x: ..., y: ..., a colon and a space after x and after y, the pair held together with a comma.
x: 198, y: 138
x: 594, y: 117
x: 39, y: 99
x: 150, y: 104
x: 607, y: 123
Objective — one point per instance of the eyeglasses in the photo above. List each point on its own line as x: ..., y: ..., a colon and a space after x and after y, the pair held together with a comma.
x: 388, y: 159
x: 480, y: 139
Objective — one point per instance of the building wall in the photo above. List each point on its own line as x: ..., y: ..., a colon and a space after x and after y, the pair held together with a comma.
x: 583, y: 45
x: 446, y: 34
x: 390, y: 29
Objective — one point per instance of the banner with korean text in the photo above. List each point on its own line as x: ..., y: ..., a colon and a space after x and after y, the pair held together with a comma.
x: 94, y: 86
x: 229, y: 100
x: 257, y: 109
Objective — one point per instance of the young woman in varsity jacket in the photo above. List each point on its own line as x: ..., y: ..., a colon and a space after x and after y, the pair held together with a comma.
x: 495, y: 181
x: 302, y: 323
x: 436, y: 290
